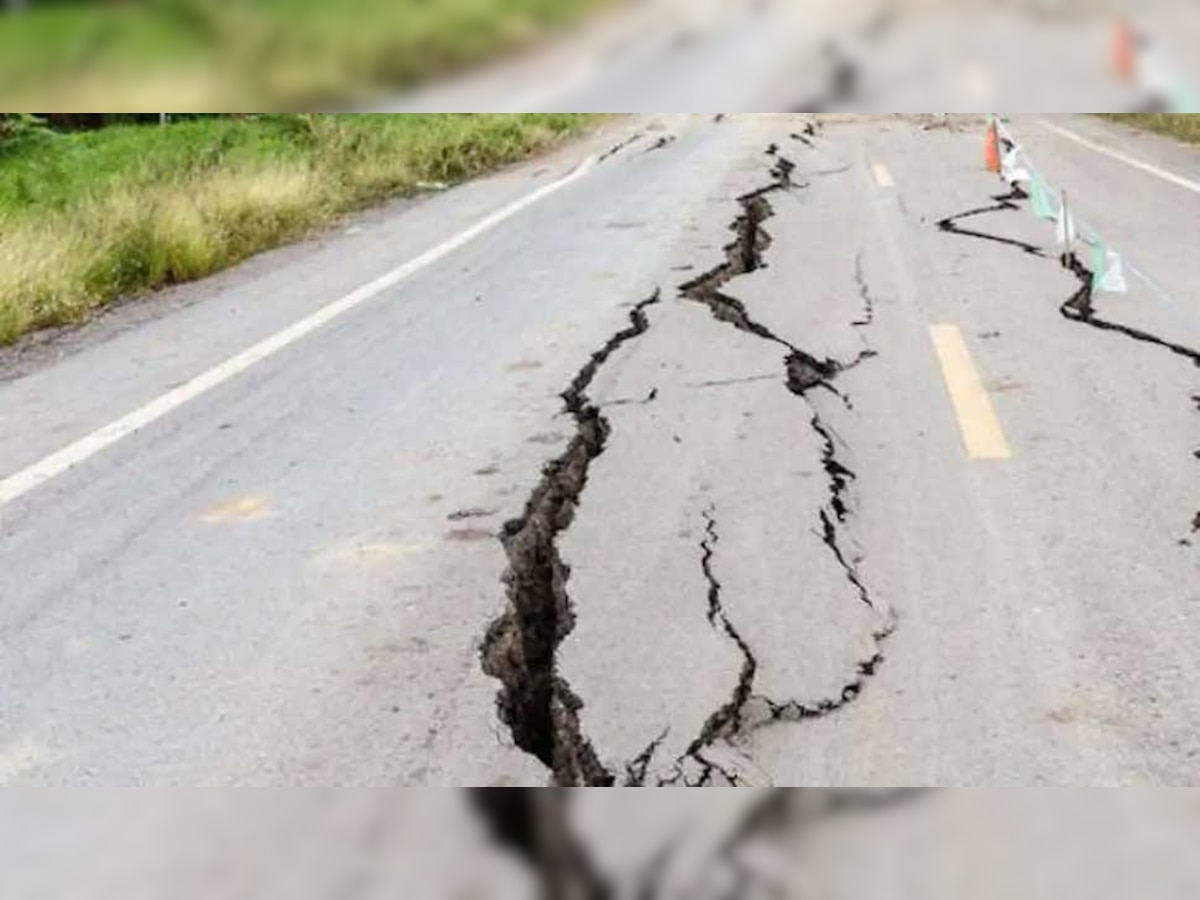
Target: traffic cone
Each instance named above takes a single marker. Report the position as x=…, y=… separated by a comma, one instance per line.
x=991, y=148
x=1124, y=50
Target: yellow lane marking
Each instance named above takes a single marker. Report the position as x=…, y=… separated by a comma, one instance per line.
x=241, y=509
x=982, y=434
x=882, y=176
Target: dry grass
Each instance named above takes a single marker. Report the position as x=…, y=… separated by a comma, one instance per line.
x=58, y=270
x=1184, y=126
x=220, y=193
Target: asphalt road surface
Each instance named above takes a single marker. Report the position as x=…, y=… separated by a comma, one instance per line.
x=713, y=457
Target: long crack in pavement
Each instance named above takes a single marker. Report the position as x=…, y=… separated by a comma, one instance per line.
x=803, y=372
x=520, y=647
x=728, y=718
x=1079, y=307
x=1003, y=203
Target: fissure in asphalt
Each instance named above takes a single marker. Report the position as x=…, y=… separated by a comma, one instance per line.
x=1003, y=202
x=521, y=646
x=802, y=373
x=1079, y=307
x=728, y=718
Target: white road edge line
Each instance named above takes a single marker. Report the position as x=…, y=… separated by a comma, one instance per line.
x=39, y=473
x=1174, y=179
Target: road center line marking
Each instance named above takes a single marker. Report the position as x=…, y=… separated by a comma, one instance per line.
x=1174, y=179
x=39, y=473
x=882, y=176
x=982, y=434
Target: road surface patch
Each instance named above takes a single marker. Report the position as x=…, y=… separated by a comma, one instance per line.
x=469, y=535
x=240, y=509
x=981, y=431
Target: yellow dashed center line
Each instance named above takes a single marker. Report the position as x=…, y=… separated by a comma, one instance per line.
x=982, y=434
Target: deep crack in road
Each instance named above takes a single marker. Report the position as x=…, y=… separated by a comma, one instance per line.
x=520, y=647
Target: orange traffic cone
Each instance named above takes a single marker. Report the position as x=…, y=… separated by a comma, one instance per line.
x=1124, y=50
x=991, y=148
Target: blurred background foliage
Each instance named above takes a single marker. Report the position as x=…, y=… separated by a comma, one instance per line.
x=248, y=55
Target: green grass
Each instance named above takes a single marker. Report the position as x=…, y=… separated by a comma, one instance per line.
x=243, y=55
x=85, y=218
x=1184, y=126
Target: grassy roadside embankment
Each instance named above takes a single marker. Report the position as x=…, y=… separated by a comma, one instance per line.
x=246, y=55
x=86, y=218
x=1183, y=126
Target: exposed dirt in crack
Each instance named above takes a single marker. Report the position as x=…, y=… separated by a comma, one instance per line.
x=620, y=147
x=1079, y=307
x=520, y=647
x=802, y=373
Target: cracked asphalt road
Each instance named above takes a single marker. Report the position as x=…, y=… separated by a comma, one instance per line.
x=657, y=481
